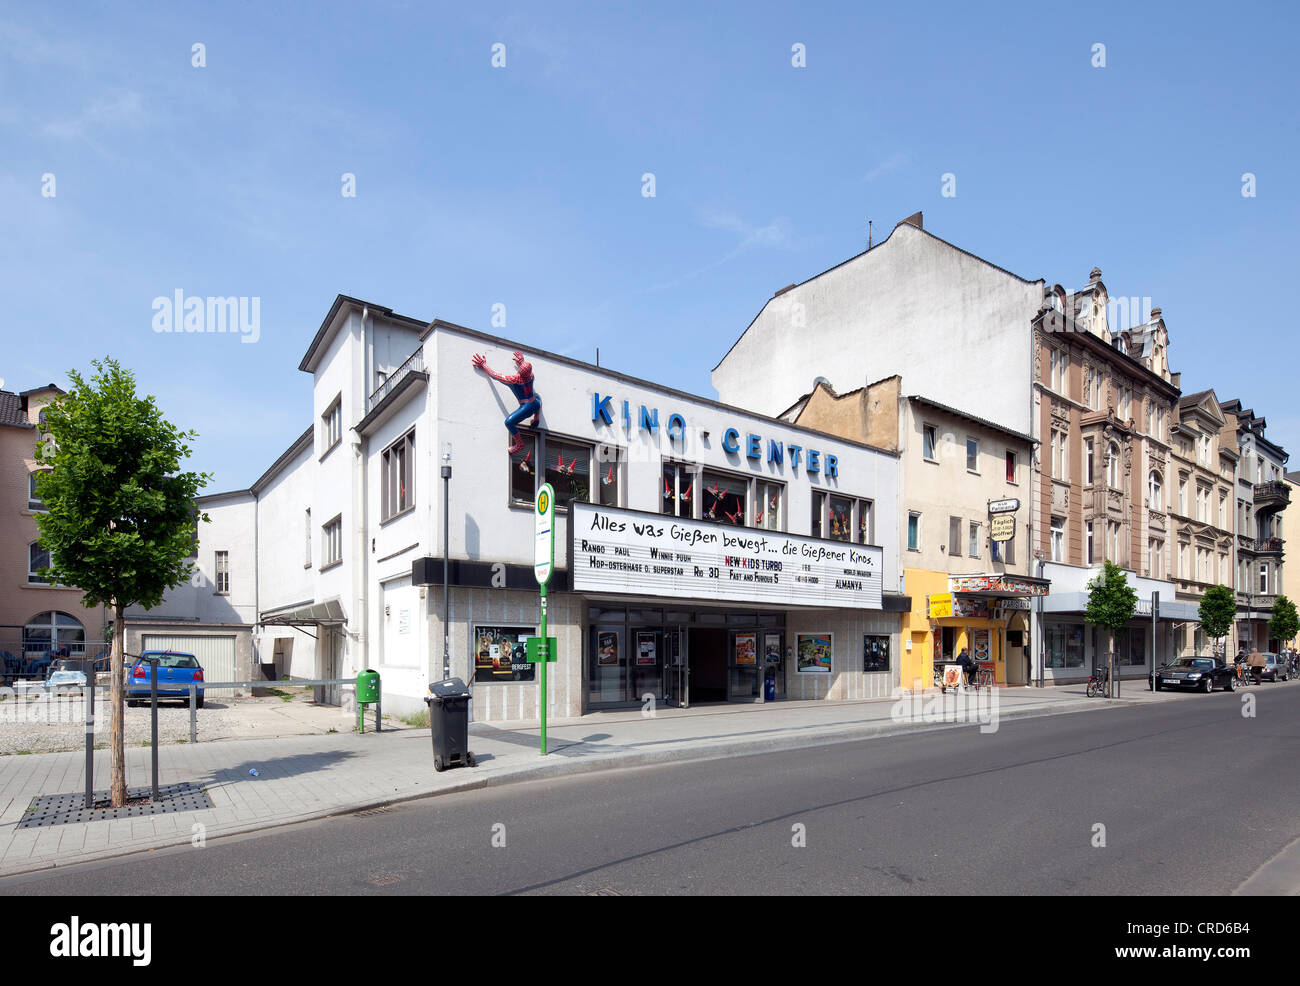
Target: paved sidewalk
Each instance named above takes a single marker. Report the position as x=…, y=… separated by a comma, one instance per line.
x=305, y=777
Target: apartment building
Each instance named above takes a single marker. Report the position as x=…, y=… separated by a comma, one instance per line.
x=1262, y=498
x=1198, y=494
x=37, y=617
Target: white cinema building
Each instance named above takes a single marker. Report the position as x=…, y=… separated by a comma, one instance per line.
x=703, y=553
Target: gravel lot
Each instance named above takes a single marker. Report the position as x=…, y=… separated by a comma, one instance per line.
x=45, y=725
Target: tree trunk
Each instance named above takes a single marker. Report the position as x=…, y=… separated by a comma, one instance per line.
x=115, y=739
x=1110, y=670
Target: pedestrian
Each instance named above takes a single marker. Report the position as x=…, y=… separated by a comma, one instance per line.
x=966, y=665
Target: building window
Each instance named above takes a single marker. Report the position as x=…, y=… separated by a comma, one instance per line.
x=913, y=531
x=1263, y=577
x=866, y=526
x=724, y=498
x=1182, y=495
x=607, y=475
x=37, y=558
x=398, y=486
x=975, y=548
x=1058, y=539
x=972, y=455
x=1011, y=467
x=568, y=470
x=677, y=498
x=841, y=518
x=1155, y=558
x=332, y=542
x=817, y=523
x=331, y=431
x=1112, y=466
x=1059, y=456
x=49, y=633
x=1088, y=460
x=33, y=501
x=1089, y=557
x=307, y=538
x=523, y=471
x=1112, y=530
x=954, y=536
x=767, y=505
x=222, y=572
x=1155, y=489
x=930, y=443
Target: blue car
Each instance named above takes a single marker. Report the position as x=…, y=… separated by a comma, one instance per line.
x=175, y=672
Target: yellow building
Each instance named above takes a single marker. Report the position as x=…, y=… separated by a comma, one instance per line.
x=987, y=615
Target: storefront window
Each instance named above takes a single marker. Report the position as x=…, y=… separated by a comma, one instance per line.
x=816, y=526
x=865, y=528
x=1065, y=645
x=724, y=498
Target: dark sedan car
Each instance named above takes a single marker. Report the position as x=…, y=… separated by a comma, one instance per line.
x=1201, y=673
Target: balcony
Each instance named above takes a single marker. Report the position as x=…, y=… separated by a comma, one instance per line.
x=1272, y=496
x=413, y=364
x=1268, y=546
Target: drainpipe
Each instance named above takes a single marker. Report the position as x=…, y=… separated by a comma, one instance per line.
x=361, y=550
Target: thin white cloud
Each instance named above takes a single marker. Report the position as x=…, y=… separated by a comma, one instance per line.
x=891, y=163
x=119, y=109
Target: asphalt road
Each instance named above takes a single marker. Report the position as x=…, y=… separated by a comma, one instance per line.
x=1193, y=797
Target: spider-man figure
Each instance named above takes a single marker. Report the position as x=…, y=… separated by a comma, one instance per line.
x=521, y=385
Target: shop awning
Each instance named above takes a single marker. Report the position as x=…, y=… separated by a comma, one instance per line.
x=1171, y=609
x=323, y=614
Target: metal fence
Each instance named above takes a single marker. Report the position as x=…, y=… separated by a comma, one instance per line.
x=30, y=657
x=292, y=683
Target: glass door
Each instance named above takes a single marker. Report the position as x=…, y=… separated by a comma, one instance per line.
x=744, y=679
x=675, y=670
x=607, y=667
x=647, y=663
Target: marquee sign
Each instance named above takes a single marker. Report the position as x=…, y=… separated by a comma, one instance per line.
x=626, y=551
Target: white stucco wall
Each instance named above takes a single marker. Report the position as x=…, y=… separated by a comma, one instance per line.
x=890, y=310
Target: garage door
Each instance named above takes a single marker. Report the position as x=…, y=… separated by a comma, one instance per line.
x=216, y=654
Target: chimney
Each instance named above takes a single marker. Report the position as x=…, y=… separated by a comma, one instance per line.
x=914, y=220
x=1155, y=315
x=1094, y=276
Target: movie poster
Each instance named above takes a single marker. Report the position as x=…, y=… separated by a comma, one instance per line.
x=608, y=649
x=813, y=652
x=747, y=648
x=500, y=652
x=645, y=650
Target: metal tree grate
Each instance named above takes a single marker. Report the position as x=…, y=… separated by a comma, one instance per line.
x=65, y=809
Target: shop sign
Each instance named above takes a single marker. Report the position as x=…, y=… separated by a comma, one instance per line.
x=996, y=583
x=944, y=605
x=1008, y=506
x=1002, y=527
x=626, y=551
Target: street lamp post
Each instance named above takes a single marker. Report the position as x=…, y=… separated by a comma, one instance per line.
x=446, y=555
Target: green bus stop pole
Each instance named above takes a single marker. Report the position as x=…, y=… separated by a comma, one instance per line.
x=543, y=662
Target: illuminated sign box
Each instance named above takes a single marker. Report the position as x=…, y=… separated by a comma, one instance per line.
x=626, y=551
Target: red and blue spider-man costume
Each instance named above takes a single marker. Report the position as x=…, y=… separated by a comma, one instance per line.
x=521, y=385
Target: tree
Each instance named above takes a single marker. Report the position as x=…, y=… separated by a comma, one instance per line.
x=1285, y=621
x=1218, y=611
x=120, y=520
x=1111, y=604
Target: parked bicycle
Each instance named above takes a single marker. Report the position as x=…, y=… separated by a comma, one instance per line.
x=1097, y=683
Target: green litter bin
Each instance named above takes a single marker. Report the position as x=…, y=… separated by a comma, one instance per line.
x=367, y=694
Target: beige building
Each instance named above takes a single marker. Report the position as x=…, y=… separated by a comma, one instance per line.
x=1197, y=494
x=1291, y=532
x=1104, y=411
x=36, y=617
x=963, y=515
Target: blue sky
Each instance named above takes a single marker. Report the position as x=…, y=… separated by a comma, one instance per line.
x=521, y=185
